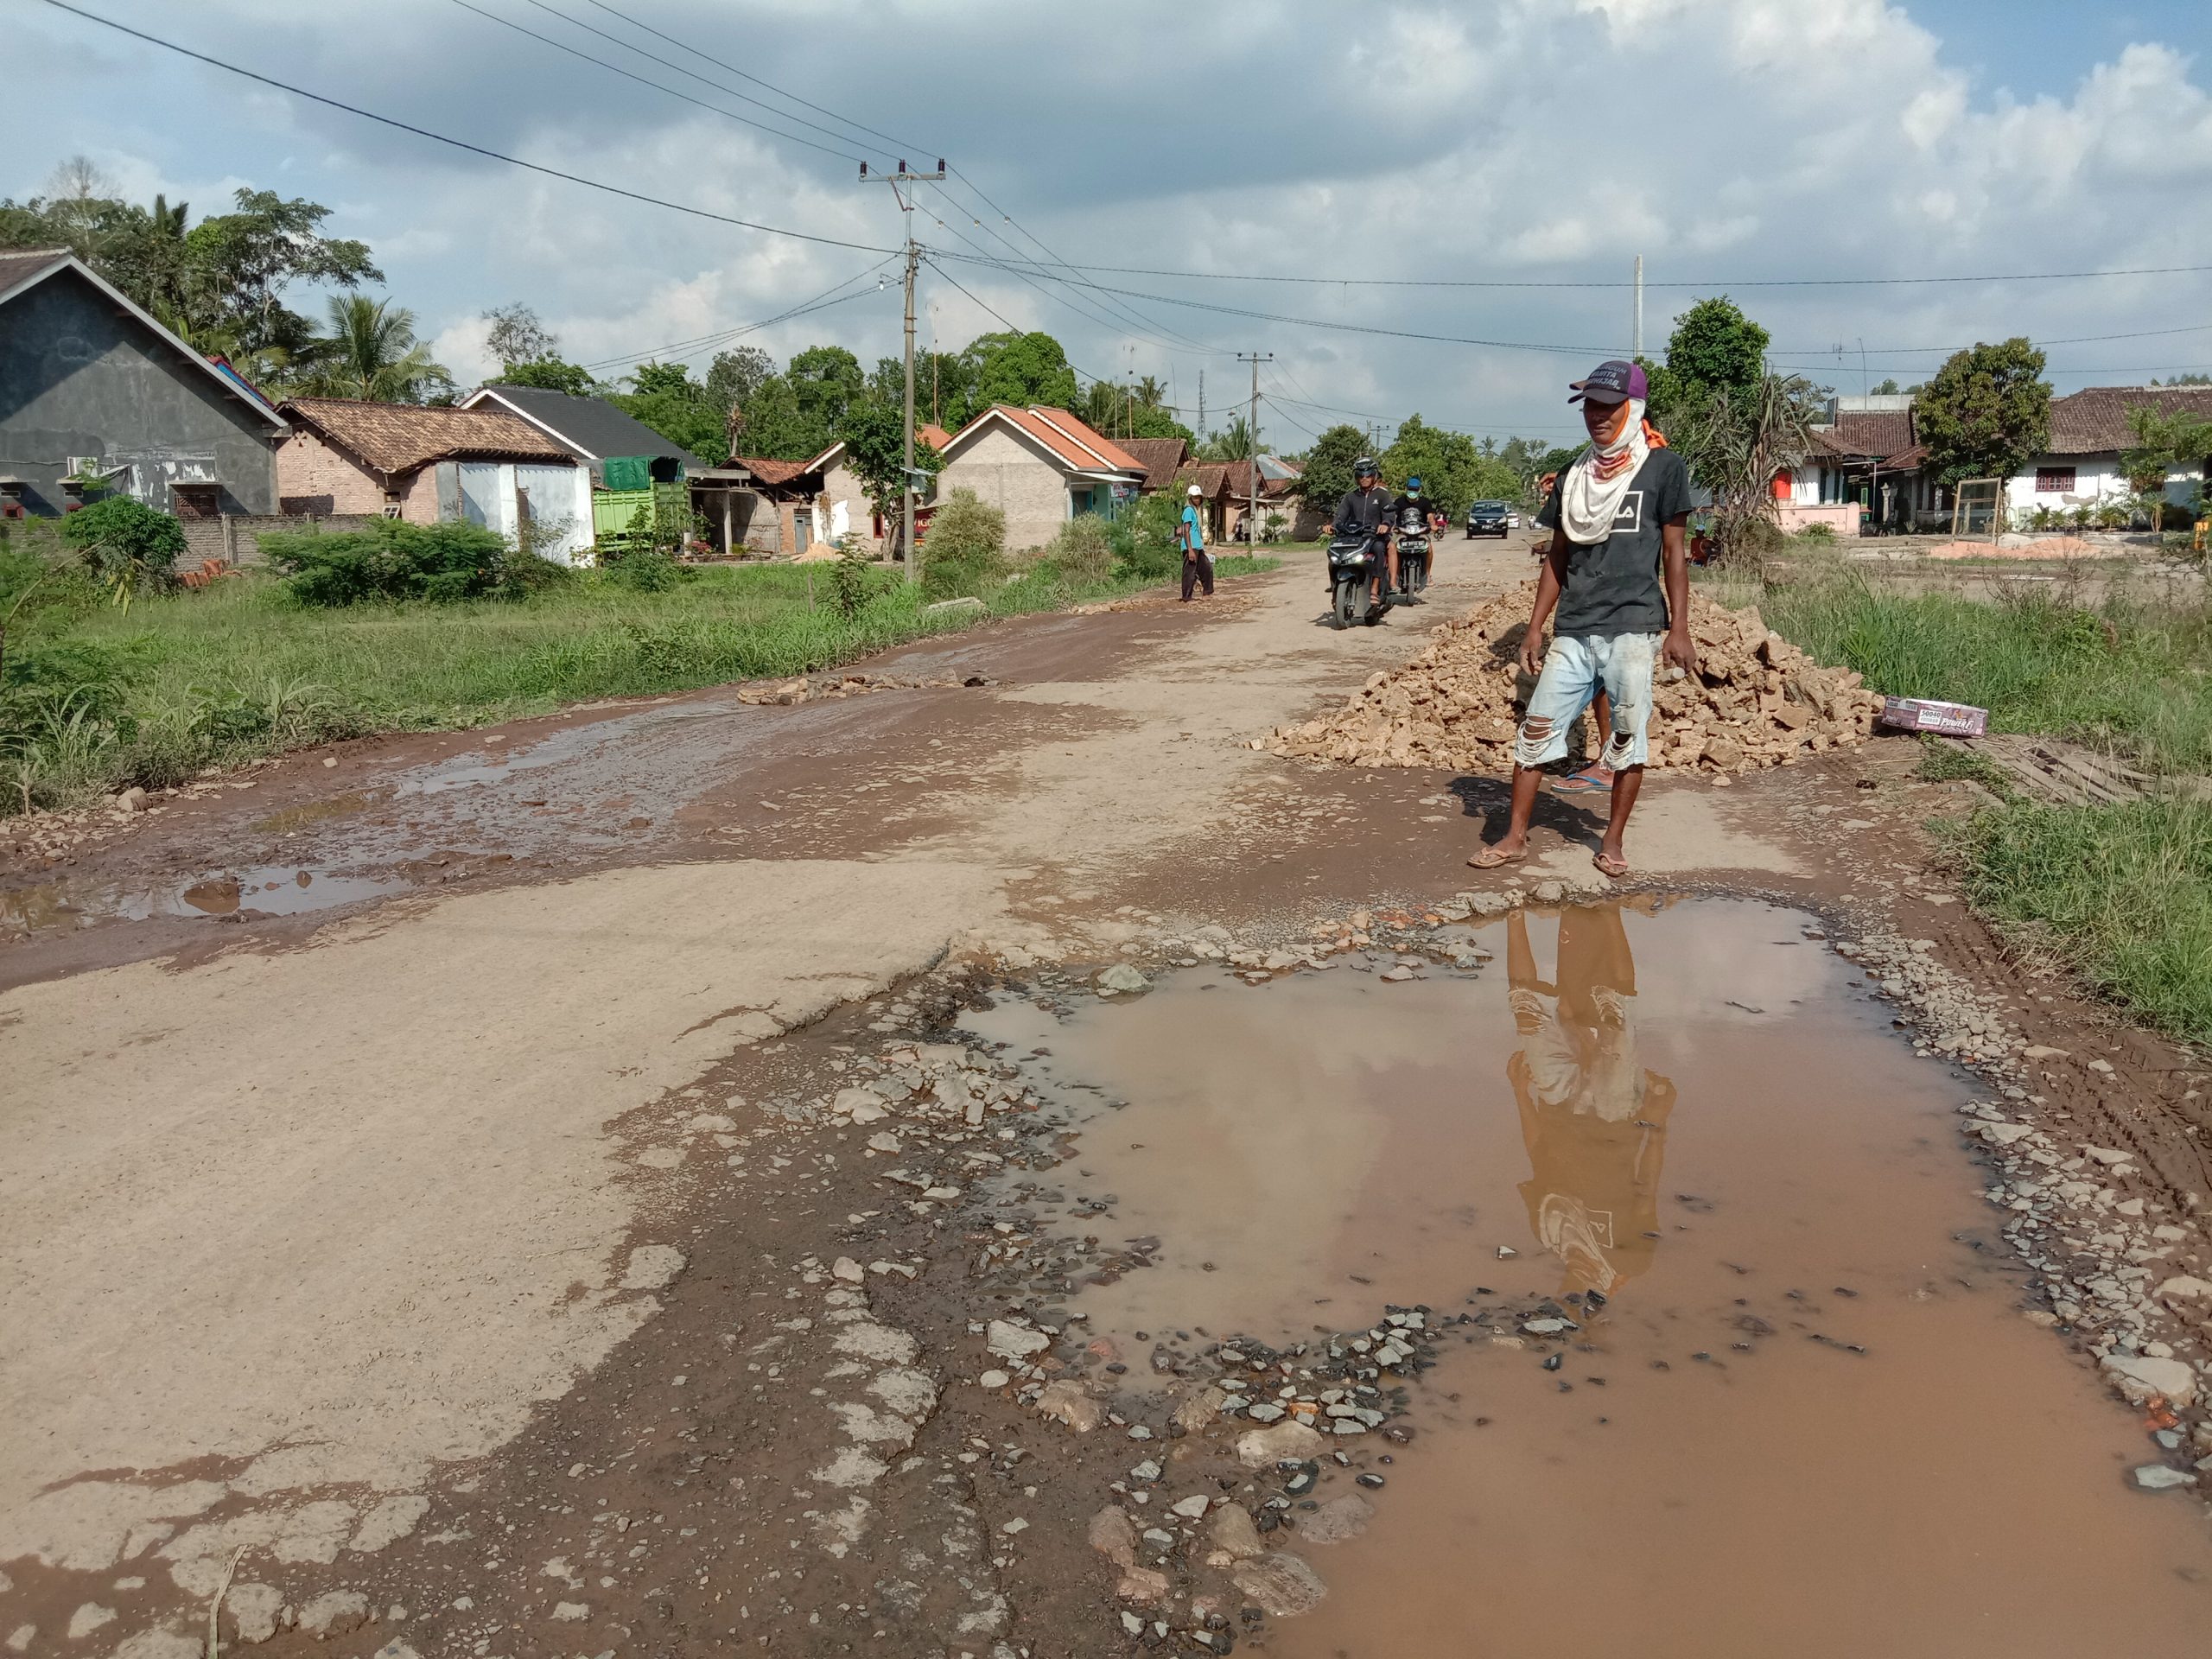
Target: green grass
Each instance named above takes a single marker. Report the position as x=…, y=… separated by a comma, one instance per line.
x=2124, y=893
x=2132, y=674
x=183, y=681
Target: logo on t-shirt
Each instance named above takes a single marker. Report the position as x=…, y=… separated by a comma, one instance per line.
x=1630, y=516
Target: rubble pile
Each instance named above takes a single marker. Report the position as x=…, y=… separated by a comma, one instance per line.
x=1757, y=702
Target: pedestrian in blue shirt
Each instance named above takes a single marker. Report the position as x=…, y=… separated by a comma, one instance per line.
x=1191, y=536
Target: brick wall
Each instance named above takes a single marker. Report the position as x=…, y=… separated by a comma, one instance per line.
x=306, y=465
x=1007, y=474
x=236, y=536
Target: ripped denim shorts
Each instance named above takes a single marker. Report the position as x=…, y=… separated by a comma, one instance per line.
x=1573, y=670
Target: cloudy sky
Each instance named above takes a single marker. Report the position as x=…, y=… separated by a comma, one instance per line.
x=1751, y=147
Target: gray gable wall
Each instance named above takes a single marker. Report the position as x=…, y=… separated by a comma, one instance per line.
x=80, y=376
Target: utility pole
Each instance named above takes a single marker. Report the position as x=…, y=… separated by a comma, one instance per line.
x=1636, y=348
x=898, y=181
x=1202, y=406
x=1252, y=478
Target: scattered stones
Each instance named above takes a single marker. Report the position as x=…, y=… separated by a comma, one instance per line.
x=1258, y=1447
x=993, y=1380
x=1336, y=1520
x=2158, y=1478
x=1114, y=1536
x=254, y=1609
x=1067, y=1400
x=1120, y=977
x=334, y=1612
x=1278, y=1585
x=1231, y=1530
x=2140, y=1375
x=1757, y=702
x=1011, y=1341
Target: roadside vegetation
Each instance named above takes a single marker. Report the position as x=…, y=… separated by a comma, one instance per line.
x=2121, y=894
x=343, y=636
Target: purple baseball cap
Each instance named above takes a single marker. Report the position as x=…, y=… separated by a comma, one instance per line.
x=1612, y=382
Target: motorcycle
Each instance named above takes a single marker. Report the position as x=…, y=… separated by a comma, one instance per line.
x=1413, y=559
x=1352, y=579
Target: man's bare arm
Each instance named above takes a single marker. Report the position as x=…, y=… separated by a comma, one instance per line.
x=1682, y=650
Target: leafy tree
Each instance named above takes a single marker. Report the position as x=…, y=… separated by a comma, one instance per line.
x=549, y=374
x=2165, y=442
x=1887, y=388
x=1453, y=471
x=1737, y=441
x=735, y=375
x=517, y=336
x=1714, y=348
x=371, y=352
x=1021, y=369
x=242, y=263
x=827, y=380
x=1232, y=442
x=874, y=436
x=1328, y=476
x=666, y=398
x=775, y=427
x=1986, y=412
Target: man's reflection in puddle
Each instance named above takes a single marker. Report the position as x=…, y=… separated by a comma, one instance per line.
x=1594, y=1119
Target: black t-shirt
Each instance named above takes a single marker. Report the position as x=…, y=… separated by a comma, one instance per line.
x=1410, y=512
x=1613, y=586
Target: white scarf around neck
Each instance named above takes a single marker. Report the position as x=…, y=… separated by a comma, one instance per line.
x=1587, y=504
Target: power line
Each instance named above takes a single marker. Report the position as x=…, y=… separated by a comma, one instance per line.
x=616, y=69
x=462, y=145
x=1547, y=283
x=704, y=80
x=699, y=343
x=792, y=98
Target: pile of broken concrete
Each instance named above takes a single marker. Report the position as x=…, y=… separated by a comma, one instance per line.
x=1757, y=702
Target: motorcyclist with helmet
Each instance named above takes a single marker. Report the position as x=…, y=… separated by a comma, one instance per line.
x=1413, y=514
x=1366, y=511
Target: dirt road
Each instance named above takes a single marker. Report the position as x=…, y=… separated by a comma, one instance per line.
x=600, y=1217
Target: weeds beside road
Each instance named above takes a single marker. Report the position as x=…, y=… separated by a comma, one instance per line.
x=2122, y=892
x=102, y=699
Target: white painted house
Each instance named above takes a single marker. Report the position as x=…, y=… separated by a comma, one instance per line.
x=2088, y=432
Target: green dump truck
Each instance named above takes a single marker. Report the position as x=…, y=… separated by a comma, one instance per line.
x=646, y=499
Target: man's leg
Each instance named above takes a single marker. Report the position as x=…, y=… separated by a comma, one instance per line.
x=1562, y=690
x=1627, y=664
x=1189, y=574
x=1596, y=777
x=1205, y=572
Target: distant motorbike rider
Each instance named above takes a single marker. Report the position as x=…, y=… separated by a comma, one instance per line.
x=1413, y=514
x=1366, y=512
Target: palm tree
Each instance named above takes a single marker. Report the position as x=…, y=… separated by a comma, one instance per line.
x=1736, y=442
x=371, y=352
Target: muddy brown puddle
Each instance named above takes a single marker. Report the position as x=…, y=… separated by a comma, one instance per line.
x=1807, y=1417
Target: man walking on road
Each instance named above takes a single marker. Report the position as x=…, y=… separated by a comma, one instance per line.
x=1191, y=536
x=1615, y=515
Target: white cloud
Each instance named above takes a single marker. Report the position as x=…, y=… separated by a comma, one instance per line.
x=1497, y=140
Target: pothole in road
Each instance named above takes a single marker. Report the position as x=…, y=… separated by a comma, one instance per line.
x=274, y=890
x=1719, y=1354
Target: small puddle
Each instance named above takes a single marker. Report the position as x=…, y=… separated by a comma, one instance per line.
x=276, y=890
x=1806, y=1415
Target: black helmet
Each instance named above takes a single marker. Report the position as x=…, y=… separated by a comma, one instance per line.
x=1363, y=466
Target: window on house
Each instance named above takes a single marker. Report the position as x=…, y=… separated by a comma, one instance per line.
x=391, y=503
x=2054, y=480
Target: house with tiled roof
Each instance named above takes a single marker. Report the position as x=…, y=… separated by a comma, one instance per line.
x=2080, y=466
x=484, y=464
x=1040, y=467
x=850, y=514
x=93, y=388
x=1866, y=458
